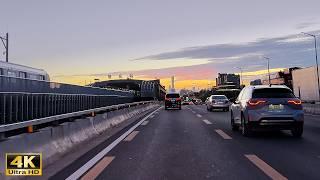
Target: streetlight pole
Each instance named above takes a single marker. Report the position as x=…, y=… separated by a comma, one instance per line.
x=268, y=59
x=5, y=42
x=315, y=48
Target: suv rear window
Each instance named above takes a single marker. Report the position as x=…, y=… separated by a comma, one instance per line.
x=172, y=96
x=272, y=93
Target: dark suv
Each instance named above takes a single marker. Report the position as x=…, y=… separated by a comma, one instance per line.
x=173, y=100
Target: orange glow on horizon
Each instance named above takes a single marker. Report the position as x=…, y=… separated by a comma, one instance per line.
x=179, y=84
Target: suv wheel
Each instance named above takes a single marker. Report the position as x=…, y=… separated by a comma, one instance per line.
x=245, y=129
x=297, y=131
x=233, y=125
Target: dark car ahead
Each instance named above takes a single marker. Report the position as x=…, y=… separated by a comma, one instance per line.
x=173, y=100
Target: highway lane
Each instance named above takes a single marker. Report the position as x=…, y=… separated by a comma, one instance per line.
x=196, y=144
x=295, y=158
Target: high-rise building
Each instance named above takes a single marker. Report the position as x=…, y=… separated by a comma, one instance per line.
x=172, y=82
x=224, y=79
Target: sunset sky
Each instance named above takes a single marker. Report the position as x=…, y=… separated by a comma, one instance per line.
x=77, y=41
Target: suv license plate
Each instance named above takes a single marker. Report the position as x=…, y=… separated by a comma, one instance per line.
x=276, y=107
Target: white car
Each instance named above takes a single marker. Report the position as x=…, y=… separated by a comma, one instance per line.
x=218, y=102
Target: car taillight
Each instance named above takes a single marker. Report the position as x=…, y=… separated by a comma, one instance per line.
x=295, y=101
x=168, y=99
x=178, y=99
x=256, y=102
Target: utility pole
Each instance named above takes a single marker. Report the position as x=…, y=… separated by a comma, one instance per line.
x=5, y=42
x=315, y=48
x=268, y=59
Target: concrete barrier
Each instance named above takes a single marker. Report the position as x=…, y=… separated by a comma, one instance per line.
x=54, y=142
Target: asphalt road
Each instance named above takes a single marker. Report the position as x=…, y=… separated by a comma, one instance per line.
x=196, y=144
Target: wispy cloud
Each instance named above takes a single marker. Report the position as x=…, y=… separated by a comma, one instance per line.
x=306, y=25
x=284, y=51
x=287, y=51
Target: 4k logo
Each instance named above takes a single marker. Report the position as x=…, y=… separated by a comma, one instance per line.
x=23, y=164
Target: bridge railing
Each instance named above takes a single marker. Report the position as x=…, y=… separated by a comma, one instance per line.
x=19, y=107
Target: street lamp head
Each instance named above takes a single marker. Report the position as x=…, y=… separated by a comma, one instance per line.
x=308, y=34
x=266, y=57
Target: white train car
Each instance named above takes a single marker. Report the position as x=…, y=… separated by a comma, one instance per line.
x=20, y=71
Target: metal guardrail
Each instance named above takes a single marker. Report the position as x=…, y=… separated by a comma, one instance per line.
x=19, y=107
x=19, y=125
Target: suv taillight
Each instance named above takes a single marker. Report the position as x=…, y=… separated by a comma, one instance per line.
x=296, y=103
x=256, y=102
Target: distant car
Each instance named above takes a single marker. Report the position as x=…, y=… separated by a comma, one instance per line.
x=173, y=100
x=266, y=107
x=185, y=102
x=198, y=102
x=218, y=102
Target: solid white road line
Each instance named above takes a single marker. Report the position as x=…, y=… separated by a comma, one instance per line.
x=206, y=121
x=199, y=115
x=98, y=168
x=100, y=155
x=145, y=123
x=263, y=166
x=223, y=134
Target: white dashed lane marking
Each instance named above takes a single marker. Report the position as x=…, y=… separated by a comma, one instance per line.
x=198, y=115
x=223, y=134
x=206, y=121
x=266, y=168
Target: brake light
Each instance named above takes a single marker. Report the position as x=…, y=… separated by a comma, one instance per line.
x=168, y=99
x=295, y=102
x=256, y=102
x=178, y=99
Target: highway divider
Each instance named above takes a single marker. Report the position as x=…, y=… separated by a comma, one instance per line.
x=55, y=141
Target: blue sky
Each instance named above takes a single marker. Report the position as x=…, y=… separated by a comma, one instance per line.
x=98, y=37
